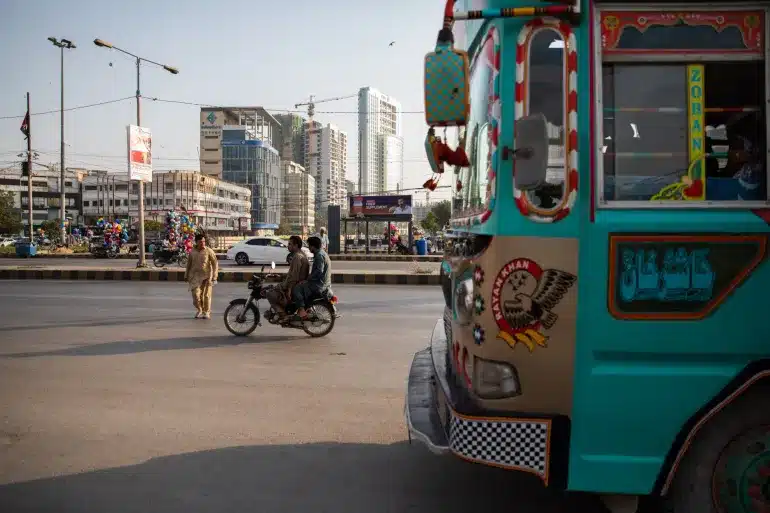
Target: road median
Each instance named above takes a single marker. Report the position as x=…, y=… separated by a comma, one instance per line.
x=177, y=275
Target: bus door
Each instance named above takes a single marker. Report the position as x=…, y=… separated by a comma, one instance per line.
x=672, y=280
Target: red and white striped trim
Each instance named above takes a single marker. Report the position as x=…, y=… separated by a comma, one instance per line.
x=522, y=108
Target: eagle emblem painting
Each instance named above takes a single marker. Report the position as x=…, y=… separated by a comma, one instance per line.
x=523, y=297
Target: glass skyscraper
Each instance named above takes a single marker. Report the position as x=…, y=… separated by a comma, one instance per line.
x=256, y=164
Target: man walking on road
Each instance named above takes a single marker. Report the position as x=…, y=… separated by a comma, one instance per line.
x=201, y=275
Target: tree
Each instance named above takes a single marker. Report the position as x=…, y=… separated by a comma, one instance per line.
x=52, y=229
x=9, y=216
x=443, y=212
x=153, y=226
x=430, y=223
x=284, y=228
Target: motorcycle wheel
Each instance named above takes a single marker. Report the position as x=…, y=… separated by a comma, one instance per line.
x=322, y=322
x=233, y=311
x=111, y=253
x=182, y=260
x=157, y=260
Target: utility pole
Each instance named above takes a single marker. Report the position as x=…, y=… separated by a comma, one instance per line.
x=29, y=172
x=62, y=44
x=170, y=69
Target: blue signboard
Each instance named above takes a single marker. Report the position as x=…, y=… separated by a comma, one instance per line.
x=245, y=142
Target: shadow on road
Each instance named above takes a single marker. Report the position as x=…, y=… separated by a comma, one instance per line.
x=121, y=347
x=312, y=478
x=89, y=323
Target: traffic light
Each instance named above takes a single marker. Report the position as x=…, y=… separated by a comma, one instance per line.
x=24, y=168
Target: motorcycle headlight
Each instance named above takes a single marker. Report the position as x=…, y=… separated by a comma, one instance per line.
x=495, y=380
x=464, y=302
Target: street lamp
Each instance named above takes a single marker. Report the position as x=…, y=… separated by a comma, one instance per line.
x=170, y=69
x=62, y=44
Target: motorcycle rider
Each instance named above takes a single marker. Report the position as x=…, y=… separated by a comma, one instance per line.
x=299, y=269
x=318, y=282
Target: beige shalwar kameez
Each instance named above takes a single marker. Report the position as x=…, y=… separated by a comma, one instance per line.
x=202, y=271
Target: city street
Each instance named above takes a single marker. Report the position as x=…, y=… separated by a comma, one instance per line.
x=113, y=398
x=225, y=265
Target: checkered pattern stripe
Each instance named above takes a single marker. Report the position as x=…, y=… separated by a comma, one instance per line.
x=445, y=91
x=515, y=444
x=522, y=109
x=494, y=114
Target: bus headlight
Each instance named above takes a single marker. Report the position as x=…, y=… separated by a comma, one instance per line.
x=464, y=302
x=495, y=380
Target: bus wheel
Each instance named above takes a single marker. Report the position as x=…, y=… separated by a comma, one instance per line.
x=727, y=467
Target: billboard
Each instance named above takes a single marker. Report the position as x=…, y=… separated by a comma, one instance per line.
x=139, y=153
x=381, y=206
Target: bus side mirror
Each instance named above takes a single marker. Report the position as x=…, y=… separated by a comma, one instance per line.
x=447, y=102
x=531, y=152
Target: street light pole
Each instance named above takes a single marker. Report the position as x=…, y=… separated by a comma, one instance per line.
x=62, y=44
x=172, y=70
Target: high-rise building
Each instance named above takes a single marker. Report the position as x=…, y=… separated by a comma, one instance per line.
x=326, y=156
x=393, y=159
x=298, y=198
x=255, y=122
x=379, y=115
x=292, y=138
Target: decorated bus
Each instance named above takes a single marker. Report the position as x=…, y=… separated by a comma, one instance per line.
x=606, y=290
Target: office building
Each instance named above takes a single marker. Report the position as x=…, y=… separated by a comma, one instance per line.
x=256, y=164
x=292, y=147
x=215, y=205
x=46, y=195
x=379, y=115
x=326, y=156
x=255, y=122
x=298, y=199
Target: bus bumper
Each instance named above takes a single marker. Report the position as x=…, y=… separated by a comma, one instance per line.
x=442, y=416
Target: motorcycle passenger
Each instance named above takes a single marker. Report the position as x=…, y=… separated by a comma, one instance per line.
x=299, y=268
x=319, y=281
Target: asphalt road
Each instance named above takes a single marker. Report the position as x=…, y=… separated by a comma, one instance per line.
x=80, y=263
x=114, y=399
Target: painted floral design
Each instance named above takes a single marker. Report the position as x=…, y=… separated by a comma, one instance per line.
x=478, y=334
x=478, y=304
x=478, y=276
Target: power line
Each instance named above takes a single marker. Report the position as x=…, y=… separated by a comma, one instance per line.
x=284, y=111
x=71, y=108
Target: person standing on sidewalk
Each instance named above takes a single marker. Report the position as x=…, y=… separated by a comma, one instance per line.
x=201, y=275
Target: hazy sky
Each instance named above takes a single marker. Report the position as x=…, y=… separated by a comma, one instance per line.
x=239, y=52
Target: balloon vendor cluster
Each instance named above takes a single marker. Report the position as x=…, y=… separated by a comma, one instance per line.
x=180, y=230
x=115, y=233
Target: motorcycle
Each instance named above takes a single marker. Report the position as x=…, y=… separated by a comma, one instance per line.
x=161, y=257
x=242, y=315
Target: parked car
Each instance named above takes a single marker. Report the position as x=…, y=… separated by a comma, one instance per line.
x=262, y=250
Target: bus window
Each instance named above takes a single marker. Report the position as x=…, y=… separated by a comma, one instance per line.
x=685, y=125
x=475, y=193
x=545, y=93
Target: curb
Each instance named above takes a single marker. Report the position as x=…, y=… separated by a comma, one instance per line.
x=224, y=277
x=221, y=256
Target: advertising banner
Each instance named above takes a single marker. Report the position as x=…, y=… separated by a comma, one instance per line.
x=139, y=153
x=381, y=206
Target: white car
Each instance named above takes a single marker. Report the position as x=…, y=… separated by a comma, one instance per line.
x=262, y=250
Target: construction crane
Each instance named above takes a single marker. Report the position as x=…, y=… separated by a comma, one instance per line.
x=312, y=103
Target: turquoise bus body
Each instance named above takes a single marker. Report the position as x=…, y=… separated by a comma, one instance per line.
x=636, y=384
